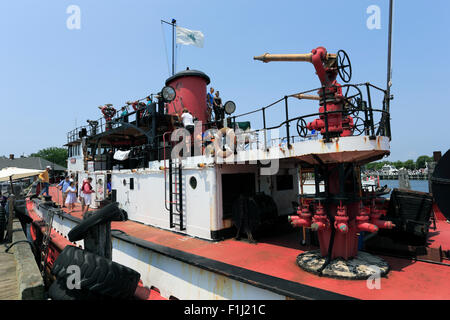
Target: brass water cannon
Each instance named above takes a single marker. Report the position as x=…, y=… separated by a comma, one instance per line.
x=302, y=96
x=327, y=65
x=306, y=57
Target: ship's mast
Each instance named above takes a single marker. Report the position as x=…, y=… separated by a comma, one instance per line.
x=389, y=71
x=173, y=24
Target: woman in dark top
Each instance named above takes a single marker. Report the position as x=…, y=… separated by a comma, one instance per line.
x=218, y=108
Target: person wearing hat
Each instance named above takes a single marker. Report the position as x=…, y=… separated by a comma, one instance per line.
x=45, y=180
x=63, y=185
x=86, y=192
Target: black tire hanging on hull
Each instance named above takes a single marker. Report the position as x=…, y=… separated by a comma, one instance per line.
x=110, y=212
x=59, y=291
x=97, y=274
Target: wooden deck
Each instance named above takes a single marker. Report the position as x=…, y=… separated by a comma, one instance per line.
x=9, y=288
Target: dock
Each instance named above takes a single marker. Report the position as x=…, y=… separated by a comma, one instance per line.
x=20, y=278
x=9, y=286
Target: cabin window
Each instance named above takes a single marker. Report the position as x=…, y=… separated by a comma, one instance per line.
x=193, y=182
x=131, y=183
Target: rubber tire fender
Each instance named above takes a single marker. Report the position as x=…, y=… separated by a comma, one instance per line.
x=97, y=274
x=107, y=213
x=59, y=291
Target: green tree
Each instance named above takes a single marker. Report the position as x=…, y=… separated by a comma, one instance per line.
x=376, y=165
x=422, y=160
x=409, y=164
x=53, y=154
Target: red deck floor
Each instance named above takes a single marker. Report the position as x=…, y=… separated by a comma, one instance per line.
x=276, y=256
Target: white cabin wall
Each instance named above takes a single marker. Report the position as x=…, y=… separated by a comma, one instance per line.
x=284, y=198
x=77, y=166
x=145, y=203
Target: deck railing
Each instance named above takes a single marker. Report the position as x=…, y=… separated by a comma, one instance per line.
x=355, y=105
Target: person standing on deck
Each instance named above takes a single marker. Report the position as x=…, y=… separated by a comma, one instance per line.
x=218, y=109
x=124, y=113
x=108, y=189
x=45, y=180
x=149, y=102
x=188, y=121
x=86, y=192
x=70, y=196
x=3, y=199
x=63, y=185
x=210, y=102
x=139, y=108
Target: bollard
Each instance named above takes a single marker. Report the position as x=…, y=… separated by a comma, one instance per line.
x=98, y=239
x=431, y=166
x=10, y=218
x=403, y=179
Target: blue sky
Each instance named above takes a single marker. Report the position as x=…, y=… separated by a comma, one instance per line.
x=52, y=78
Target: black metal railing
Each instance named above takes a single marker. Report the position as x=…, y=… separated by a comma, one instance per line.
x=354, y=104
x=137, y=118
x=360, y=108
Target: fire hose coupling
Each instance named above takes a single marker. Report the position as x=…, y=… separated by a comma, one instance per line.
x=302, y=219
x=375, y=219
x=369, y=227
x=341, y=219
x=320, y=220
x=362, y=221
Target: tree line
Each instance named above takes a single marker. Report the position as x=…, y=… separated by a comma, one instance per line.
x=53, y=154
x=408, y=164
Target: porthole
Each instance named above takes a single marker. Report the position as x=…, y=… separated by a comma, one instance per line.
x=193, y=182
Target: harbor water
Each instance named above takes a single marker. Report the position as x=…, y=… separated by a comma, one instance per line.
x=416, y=185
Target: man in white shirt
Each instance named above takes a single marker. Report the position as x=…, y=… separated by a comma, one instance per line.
x=188, y=121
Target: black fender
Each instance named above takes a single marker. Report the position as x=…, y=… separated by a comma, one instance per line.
x=110, y=212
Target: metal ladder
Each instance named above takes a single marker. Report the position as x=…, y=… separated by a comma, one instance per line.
x=46, y=239
x=175, y=193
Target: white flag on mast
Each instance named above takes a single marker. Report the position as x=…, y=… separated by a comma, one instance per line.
x=190, y=37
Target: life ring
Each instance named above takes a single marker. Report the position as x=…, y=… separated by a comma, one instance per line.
x=218, y=148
